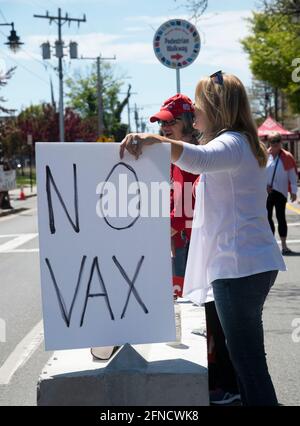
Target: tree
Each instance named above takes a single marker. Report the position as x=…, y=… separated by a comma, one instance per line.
x=260, y=97
x=272, y=47
x=196, y=8
x=82, y=97
x=285, y=7
x=41, y=121
x=3, y=82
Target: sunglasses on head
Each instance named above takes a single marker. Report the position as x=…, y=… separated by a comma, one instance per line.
x=217, y=78
x=168, y=123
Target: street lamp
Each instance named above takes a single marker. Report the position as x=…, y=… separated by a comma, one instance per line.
x=13, y=39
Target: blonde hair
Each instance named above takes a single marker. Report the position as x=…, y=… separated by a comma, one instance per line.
x=226, y=107
x=274, y=137
x=188, y=129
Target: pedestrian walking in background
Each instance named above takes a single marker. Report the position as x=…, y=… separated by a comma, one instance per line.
x=282, y=179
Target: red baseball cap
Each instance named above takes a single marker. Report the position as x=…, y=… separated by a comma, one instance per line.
x=173, y=108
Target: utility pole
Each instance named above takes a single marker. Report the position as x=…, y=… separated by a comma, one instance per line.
x=128, y=107
x=276, y=103
x=143, y=124
x=60, y=21
x=136, y=117
x=99, y=91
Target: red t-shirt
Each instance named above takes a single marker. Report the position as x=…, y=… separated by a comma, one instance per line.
x=182, y=203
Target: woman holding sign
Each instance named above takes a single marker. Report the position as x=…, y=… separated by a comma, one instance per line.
x=175, y=118
x=232, y=249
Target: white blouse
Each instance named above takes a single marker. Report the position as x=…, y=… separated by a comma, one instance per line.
x=282, y=177
x=231, y=236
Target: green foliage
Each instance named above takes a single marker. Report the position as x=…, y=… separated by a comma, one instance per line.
x=25, y=180
x=286, y=7
x=82, y=97
x=41, y=122
x=272, y=47
x=3, y=82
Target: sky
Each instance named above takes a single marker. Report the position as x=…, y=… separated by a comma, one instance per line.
x=124, y=28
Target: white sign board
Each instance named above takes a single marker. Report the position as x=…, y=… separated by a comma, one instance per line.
x=105, y=268
x=177, y=43
x=7, y=179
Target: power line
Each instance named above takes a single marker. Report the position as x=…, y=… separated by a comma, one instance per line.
x=23, y=66
x=2, y=14
x=45, y=65
x=2, y=33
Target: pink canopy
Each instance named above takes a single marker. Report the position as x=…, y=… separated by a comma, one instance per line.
x=270, y=125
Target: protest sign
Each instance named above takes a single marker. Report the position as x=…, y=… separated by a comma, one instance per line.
x=104, y=245
x=7, y=179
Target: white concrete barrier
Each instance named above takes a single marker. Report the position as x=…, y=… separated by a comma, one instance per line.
x=139, y=375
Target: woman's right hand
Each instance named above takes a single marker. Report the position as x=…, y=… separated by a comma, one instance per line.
x=134, y=143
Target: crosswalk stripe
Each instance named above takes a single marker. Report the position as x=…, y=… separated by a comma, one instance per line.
x=21, y=353
x=16, y=242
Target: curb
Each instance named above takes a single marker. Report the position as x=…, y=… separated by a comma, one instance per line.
x=4, y=213
x=26, y=196
x=12, y=211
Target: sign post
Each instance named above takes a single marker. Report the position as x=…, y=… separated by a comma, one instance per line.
x=178, y=80
x=30, y=143
x=176, y=45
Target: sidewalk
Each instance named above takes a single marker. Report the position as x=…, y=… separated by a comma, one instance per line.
x=157, y=374
x=16, y=202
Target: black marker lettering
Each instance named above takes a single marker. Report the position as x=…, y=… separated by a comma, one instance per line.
x=132, y=289
x=130, y=225
x=104, y=294
x=50, y=181
x=62, y=305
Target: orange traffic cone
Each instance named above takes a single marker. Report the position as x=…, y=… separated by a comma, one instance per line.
x=22, y=194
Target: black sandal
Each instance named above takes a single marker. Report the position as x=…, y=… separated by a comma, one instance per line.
x=287, y=252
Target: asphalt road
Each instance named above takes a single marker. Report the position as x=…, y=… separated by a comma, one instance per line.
x=20, y=305
x=281, y=309
x=20, y=313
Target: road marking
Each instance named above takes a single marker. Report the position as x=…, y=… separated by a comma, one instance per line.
x=292, y=208
x=16, y=242
x=21, y=353
x=289, y=223
x=36, y=250
x=290, y=242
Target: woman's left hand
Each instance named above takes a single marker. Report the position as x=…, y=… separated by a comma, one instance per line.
x=134, y=143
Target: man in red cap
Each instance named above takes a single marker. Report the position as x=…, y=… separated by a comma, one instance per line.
x=176, y=118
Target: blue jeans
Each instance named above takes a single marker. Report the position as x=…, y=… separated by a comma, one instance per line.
x=179, y=261
x=239, y=303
